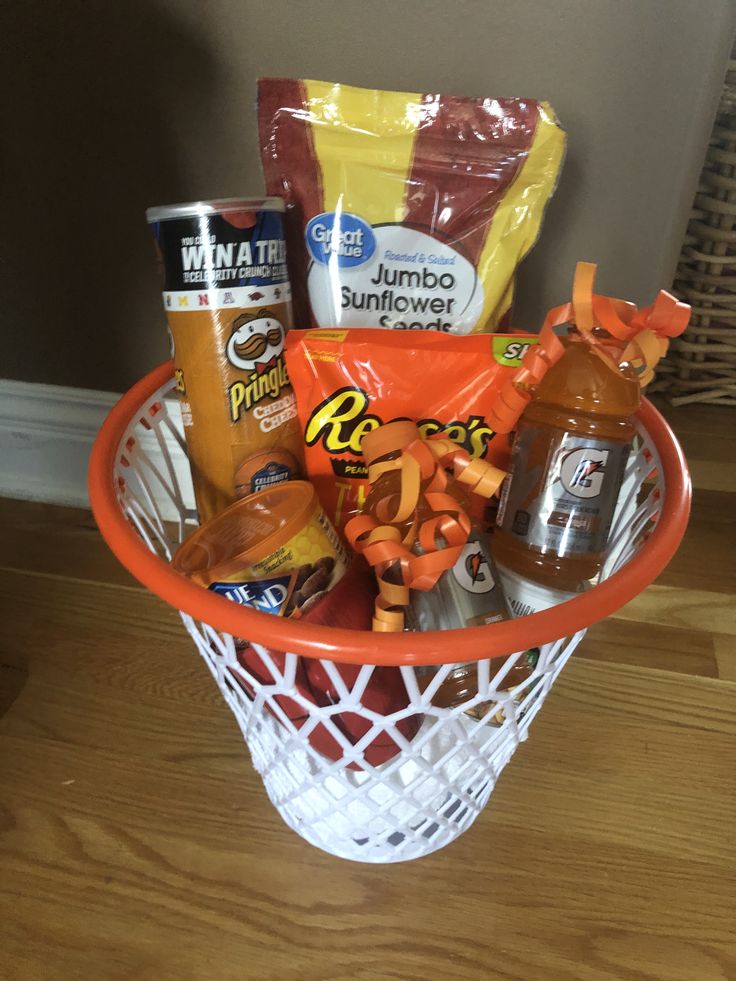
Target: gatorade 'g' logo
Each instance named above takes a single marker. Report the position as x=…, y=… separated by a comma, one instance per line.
x=471, y=570
x=583, y=470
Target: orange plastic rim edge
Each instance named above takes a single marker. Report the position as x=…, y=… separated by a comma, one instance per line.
x=363, y=647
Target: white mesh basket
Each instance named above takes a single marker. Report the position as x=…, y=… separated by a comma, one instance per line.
x=319, y=771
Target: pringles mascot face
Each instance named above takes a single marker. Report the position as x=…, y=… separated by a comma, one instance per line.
x=256, y=341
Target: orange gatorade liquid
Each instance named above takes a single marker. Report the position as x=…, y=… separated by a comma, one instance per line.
x=567, y=467
x=468, y=594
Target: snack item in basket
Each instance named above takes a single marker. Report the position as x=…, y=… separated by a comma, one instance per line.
x=573, y=440
x=227, y=300
x=274, y=551
x=350, y=382
x=348, y=605
x=406, y=210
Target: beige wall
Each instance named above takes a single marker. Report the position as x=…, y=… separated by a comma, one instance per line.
x=116, y=106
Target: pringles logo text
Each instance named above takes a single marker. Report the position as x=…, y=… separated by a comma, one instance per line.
x=243, y=395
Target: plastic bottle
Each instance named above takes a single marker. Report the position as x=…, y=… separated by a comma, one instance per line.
x=567, y=466
x=468, y=594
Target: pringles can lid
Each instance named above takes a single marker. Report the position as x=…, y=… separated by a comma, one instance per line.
x=218, y=206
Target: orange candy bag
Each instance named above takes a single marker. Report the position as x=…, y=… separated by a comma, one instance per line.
x=350, y=382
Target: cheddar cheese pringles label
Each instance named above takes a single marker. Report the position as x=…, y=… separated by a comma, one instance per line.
x=228, y=306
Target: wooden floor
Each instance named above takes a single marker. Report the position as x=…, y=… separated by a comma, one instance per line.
x=137, y=843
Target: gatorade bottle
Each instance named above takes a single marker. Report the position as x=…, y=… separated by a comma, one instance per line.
x=468, y=594
x=567, y=466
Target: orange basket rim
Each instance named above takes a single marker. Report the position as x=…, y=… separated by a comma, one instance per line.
x=365, y=647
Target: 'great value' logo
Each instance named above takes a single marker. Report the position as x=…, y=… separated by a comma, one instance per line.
x=341, y=238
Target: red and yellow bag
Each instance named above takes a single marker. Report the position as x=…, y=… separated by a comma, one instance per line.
x=405, y=210
x=349, y=382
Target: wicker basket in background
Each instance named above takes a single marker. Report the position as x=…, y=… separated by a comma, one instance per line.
x=701, y=365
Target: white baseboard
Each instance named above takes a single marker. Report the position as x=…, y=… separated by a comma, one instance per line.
x=46, y=436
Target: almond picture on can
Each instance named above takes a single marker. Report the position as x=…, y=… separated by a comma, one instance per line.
x=228, y=306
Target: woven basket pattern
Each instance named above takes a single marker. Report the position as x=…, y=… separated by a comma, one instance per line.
x=701, y=365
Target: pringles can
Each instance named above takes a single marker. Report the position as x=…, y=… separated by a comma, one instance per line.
x=228, y=305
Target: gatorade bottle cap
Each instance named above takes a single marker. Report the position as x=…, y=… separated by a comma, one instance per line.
x=390, y=438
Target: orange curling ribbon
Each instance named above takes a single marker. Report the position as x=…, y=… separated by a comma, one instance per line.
x=639, y=337
x=582, y=296
x=388, y=547
x=643, y=335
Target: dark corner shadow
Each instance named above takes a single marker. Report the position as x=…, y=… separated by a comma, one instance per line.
x=89, y=141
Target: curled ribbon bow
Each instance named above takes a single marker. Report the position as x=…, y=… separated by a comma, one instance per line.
x=639, y=337
x=387, y=540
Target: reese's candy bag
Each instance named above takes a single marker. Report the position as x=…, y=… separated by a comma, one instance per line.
x=349, y=382
x=405, y=210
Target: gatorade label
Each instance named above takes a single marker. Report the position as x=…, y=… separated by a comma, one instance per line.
x=467, y=595
x=560, y=495
x=526, y=597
